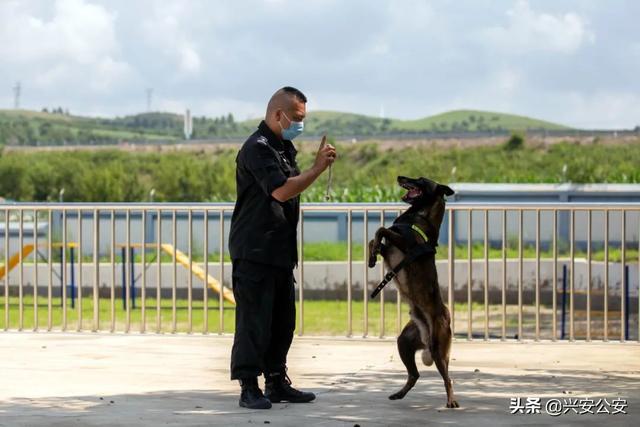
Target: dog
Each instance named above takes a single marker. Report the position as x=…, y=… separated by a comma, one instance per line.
x=429, y=329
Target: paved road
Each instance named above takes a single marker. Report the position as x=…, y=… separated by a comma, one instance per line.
x=60, y=379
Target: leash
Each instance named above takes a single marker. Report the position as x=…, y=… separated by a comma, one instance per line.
x=327, y=194
x=387, y=278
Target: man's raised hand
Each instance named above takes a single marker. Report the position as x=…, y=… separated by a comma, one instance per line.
x=326, y=154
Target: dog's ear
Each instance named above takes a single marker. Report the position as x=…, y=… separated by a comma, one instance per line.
x=430, y=186
x=446, y=190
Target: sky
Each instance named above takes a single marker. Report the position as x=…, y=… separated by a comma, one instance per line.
x=575, y=62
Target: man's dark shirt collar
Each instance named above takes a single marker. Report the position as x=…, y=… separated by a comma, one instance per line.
x=273, y=140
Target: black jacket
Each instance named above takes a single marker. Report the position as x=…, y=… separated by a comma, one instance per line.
x=263, y=229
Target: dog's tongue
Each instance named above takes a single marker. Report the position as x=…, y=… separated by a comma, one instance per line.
x=411, y=194
x=414, y=192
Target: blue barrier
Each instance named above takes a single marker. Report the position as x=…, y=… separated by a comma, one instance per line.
x=625, y=287
x=124, y=278
x=71, y=287
x=564, y=300
x=132, y=294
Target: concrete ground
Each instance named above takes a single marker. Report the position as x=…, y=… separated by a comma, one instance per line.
x=57, y=379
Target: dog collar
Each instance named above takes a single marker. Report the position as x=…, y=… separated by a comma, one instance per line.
x=419, y=231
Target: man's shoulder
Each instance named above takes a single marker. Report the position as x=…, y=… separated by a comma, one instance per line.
x=255, y=149
x=260, y=140
x=255, y=139
x=256, y=143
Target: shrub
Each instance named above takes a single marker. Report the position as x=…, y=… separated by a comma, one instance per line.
x=515, y=142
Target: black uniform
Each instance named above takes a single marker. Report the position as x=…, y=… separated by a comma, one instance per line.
x=263, y=248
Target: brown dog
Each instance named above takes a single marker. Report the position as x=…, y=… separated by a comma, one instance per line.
x=429, y=329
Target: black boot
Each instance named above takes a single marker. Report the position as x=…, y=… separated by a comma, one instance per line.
x=278, y=389
x=251, y=396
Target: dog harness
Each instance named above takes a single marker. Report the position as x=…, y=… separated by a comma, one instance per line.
x=415, y=252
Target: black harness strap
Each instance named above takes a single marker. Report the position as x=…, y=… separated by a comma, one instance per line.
x=414, y=253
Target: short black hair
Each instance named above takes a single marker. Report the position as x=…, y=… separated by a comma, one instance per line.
x=295, y=92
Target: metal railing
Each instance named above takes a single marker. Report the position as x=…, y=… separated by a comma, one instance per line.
x=553, y=210
x=68, y=258
x=71, y=244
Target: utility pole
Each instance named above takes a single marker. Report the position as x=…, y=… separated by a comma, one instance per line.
x=16, y=96
x=149, y=95
x=188, y=124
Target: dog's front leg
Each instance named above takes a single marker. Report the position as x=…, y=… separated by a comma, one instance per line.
x=374, y=248
x=391, y=238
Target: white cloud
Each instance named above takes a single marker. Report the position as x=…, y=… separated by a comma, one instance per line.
x=167, y=32
x=413, y=14
x=527, y=30
x=602, y=109
x=77, y=44
x=189, y=59
x=508, y=80
x=415, y=57
x=77, y=31
x=107, y=72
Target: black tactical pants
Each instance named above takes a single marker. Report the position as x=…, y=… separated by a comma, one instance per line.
x=265, y=318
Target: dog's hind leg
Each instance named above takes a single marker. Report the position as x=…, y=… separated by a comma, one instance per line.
x=424, y=327
x=409, y=342
x=441, y=348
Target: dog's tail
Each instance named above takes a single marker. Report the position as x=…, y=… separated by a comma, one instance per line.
x=427, y=358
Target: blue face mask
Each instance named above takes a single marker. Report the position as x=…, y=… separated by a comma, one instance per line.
x=294, y=129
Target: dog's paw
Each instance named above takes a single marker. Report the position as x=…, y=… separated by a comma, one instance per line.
x=453, y=404
x=372, y=261
x=397, y=396
x=374, y=250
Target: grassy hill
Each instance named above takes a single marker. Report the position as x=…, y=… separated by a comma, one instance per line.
x=23, y=127
x=473, y=120
x=453, y=121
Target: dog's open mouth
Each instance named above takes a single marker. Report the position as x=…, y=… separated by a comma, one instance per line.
x=413, y=192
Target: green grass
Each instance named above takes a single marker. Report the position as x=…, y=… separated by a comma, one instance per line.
x=529, y=252
x=337, y=251
x=365, y=172
x=166, y=313
x=330, y=251
x=321, y=317
x=127, y=135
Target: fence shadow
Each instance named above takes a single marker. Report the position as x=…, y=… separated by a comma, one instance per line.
x=358, y=398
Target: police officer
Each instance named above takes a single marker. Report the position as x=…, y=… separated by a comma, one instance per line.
x=263, y=249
